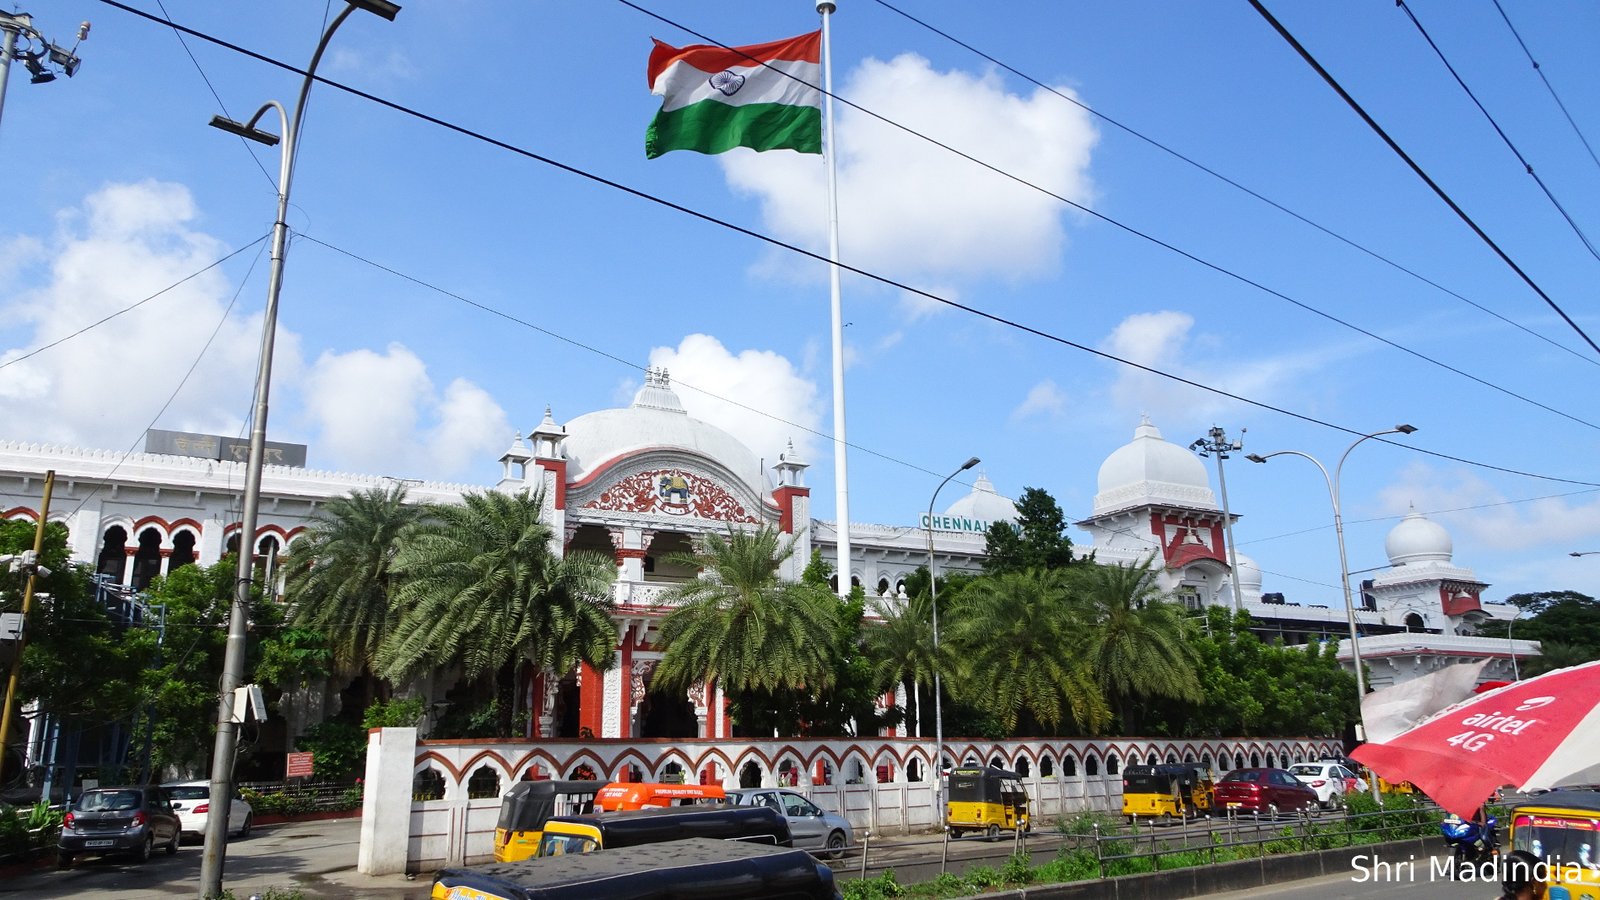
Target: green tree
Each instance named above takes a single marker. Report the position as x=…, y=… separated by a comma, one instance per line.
x=1136, y=641
x=1565, y=623
x=342, y=573
x=899, y=647
x=479, y=587
x=1038, y=540
x=742, y=625
x=1014, y=646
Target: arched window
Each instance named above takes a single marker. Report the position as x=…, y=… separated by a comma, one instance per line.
x=484, y=783
x=1047, y=766
x=914, y=770
x=1069, y=766
x=1091, y=765
x=428, y=785
x=750, y=775
x=1111, y=764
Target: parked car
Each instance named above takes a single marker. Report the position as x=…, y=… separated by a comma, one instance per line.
x=1265, y=792
x=813, y=827
x=119, y=820
x=1331, y=781
x=191, y=800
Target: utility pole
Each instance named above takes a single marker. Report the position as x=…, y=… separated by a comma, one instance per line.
x=30, y=564
x=1216, y=444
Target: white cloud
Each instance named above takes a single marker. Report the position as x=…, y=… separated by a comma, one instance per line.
x=1045, y=400
x=381, y=413
x=1477, y=512
x=914, y=211
x=753, y=395
x=1166, y=341
x=102, y=388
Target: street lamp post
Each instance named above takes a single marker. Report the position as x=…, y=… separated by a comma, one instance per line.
x=1511, y=646
x=39, y=56
x=938, y=704
x=1216, y=443
x=1344, y=565
x=216, y=834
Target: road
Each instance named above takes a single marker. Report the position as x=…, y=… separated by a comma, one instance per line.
x=317, y=858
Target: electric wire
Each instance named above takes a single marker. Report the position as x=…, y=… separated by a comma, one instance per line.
x=1576, y=228
x=1132, y=132
x=99, y=483
x=1433, y=185
x=1173, y=248
x=434, y=120
x=212, y=88
x=889, y=282
x=1547, y=85
x=129, y=308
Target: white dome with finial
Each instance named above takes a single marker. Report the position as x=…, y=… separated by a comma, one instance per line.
x=1151, y=471
x=983, y=504
x=1418, y=539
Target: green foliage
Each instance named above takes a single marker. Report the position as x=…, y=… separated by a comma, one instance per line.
x=1565, y=623
x=1017, y=870
x=879, y=888
x=1087, y=822
x=293, y=658
x=338, y=749
x=1069, y=865
x=1038, y=540
x=394, y=713
x=743, y=625
x=983, y=878
x=24, y=830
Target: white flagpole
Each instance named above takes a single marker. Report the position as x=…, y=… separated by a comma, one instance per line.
x=841, y=481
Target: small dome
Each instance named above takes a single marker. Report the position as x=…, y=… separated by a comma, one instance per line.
x=1149, y=470
x=1249, y=574
x=983, y=504
x=1417, y=539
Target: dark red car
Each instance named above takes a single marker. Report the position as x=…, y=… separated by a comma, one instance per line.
x=1265, y=792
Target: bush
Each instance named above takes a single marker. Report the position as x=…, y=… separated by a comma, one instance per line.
x=879, y=888
x=394, y=714
x=1017, y=870
x=338, y=749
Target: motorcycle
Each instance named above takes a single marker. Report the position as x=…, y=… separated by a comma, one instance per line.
x=1471, y=842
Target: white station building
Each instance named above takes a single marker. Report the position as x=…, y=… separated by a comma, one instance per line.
x=642, y=481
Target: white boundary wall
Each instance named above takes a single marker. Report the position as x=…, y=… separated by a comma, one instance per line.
x=839, y=774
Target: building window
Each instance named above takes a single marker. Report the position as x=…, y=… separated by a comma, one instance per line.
x=1189, y=596
x=484, y=783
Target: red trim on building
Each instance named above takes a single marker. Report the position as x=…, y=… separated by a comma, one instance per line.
x=559, y=467
x=591, y=699
x=785, y=499
x=625, y=662
x=1456, y=604
x=623, y=553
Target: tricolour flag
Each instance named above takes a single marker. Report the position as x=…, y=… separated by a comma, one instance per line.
x=716, y=98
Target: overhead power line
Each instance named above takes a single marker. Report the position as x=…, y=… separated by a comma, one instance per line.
x=1497, y=129
x=889, y=282
x=1547, y=85
x=1454, y=207
x=1132, y=132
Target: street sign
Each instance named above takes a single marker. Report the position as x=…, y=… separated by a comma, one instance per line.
x=300, y=765
x=10, y=626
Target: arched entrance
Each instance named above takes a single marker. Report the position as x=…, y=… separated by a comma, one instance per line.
x=665, y=714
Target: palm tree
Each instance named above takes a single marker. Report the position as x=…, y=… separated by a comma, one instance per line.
x=901, y=647
x=1012, y=645
x=341, y=589
x=1135, y=640
x=481, y=589
x=742, y=625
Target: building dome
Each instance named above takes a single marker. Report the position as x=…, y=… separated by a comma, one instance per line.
x=1249, y=575
x=983, y=504
x=1417, y=539
x=655, y=421
x=1151, y=471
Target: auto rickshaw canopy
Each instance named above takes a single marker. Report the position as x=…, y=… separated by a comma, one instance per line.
x=527, y=805
x=985, y=784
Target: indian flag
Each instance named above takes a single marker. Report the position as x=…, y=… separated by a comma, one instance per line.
x=717, y=98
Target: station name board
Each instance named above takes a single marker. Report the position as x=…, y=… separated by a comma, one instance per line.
x=955, y=523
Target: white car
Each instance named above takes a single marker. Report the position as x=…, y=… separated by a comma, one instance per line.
x=1329, y=780
x=812, y=827
x=191, y=800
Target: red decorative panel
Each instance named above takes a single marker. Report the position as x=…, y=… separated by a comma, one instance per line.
x=673, y=493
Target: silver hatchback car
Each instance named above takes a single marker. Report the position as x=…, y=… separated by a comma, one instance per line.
x=812, y=827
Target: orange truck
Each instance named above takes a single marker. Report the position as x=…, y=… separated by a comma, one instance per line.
x=645, y=795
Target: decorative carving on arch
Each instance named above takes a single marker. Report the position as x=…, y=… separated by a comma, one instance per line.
x=673, y=492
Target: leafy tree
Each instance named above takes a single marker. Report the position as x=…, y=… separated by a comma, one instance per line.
x=1135, y=641
x=342, y=573
x=742, y=625
x=900, y=650
x=1565, y=623
x=1012, y=644
x=480, y=588
x=1038, y=540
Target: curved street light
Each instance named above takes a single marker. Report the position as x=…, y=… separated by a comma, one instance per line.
x=938, y=705
x=1344, y=565
x=216, y=835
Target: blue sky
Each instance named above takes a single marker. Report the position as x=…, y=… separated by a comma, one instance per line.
x=441, y=292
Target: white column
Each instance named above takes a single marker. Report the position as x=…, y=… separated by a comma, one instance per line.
x=386, y=801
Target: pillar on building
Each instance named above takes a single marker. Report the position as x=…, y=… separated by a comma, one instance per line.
x=591, y=701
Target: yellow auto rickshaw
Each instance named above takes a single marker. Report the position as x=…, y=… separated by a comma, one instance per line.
x=528, y=805
x=1166, y=792
x=1563, y=829
x=983, y=798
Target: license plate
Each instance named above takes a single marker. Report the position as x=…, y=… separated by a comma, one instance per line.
x=1235, y=805
x=98, y=843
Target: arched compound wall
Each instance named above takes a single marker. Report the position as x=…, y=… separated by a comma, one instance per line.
x=456, y=830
